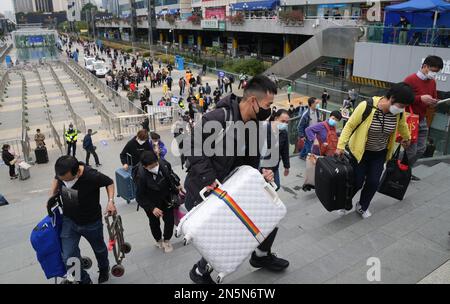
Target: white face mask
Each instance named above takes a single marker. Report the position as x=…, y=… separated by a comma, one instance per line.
x=431, y=75
x=395, y=110
x=140, y=142
x=154, y=170
x=70, y=183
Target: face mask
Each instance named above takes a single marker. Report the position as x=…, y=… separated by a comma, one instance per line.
x=318, y=106
x=70, y=184
x=282, y=126
x=140, y=142
x=395, y=110
x=432, y=75
x=332, y=122
x=154, y=170
x=262, y=114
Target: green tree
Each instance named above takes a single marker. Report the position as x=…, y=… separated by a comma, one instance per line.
x=86, y=10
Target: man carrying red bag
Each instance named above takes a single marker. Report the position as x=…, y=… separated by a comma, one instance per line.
x=424, y=86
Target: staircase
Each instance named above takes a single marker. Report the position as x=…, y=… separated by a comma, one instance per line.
x=409, y=237
x=332, y=42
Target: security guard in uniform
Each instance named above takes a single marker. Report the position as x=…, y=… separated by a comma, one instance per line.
x=71, y=136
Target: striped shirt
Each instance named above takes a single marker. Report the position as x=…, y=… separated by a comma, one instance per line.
x=383, y=125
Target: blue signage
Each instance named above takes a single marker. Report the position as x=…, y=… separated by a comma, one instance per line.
x=35, y=39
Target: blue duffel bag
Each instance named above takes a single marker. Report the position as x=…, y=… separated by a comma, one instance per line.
x=46, y=241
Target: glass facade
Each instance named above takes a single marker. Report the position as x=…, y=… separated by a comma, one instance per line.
x=166, y=2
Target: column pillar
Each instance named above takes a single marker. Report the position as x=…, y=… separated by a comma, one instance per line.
x=235, y=46
x=286, y=46
x=180, y=41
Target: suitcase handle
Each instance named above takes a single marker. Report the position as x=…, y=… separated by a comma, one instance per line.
x=205, y=189
x=270, y=187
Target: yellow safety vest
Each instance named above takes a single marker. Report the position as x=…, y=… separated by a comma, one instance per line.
x=71, y=136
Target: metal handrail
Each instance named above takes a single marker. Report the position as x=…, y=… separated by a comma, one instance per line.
x=77, y=119
x=55, y=133
x=4, y=82
x=125, y=104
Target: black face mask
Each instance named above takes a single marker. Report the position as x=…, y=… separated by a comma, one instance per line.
x=262, y=114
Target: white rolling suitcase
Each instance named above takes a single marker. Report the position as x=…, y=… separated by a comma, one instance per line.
x=233, y=220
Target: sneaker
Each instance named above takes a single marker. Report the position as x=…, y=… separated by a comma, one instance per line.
x=103, y=276
x=366, y=214
x=270, y=261
x=159, y=244
x=98, y=165
x=415, y=178
x=167, y=246
x=358, y=208
x=342, y=212
x=200, y=279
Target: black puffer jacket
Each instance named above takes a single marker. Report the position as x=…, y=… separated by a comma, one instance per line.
x=155, y=193
x=204, y=170
x=7, y=157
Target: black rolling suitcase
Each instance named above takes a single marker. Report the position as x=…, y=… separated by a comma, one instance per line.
x=334, y=182
x=41, y=155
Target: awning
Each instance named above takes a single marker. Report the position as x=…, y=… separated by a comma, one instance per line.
x=255, y=5
x=168, y=12
x=420, y=5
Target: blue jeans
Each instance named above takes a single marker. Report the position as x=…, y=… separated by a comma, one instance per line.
x=93, y=233
x=306, y=148
x=367, y=176
x=276, y=177
x=416, y=150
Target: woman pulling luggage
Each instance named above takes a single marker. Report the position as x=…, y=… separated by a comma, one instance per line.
x=371, y=140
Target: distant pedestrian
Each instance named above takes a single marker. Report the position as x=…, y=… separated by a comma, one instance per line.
x=90, y=148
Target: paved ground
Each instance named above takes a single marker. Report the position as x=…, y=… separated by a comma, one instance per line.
x=409, y=237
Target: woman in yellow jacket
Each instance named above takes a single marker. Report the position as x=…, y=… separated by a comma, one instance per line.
x=372, y=141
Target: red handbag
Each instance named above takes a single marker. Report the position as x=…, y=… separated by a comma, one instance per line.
x=299, y=145
x=412, y=120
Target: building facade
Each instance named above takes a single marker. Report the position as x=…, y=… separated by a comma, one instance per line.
x=43, y=6
x=23, y=6
x=60, y=5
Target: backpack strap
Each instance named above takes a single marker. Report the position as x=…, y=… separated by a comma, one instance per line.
x=366, y=113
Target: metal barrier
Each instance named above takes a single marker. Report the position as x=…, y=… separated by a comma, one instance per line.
x=3, y=83
x=77, y=119
x=113, y=96
x=105, y=115
x=53, y=131
x=129, y=125
x=25, y=140
x=4, y=51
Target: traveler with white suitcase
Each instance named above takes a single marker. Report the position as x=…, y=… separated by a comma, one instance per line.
x=204, y=170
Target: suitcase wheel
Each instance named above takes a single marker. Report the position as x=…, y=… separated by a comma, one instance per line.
x=117, y=270
x=86, y=262
x=209, y=268
x=126, y=248
x=219, y=278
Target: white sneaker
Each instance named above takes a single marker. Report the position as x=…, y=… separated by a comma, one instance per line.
x=159, y=244
x=342, y=212
x=366, y=214
x=167, y=246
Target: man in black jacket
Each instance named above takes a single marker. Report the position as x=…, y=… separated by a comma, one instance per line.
x=90, y=148
x=155, y=185
x=131, y=153
x=204, y=170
